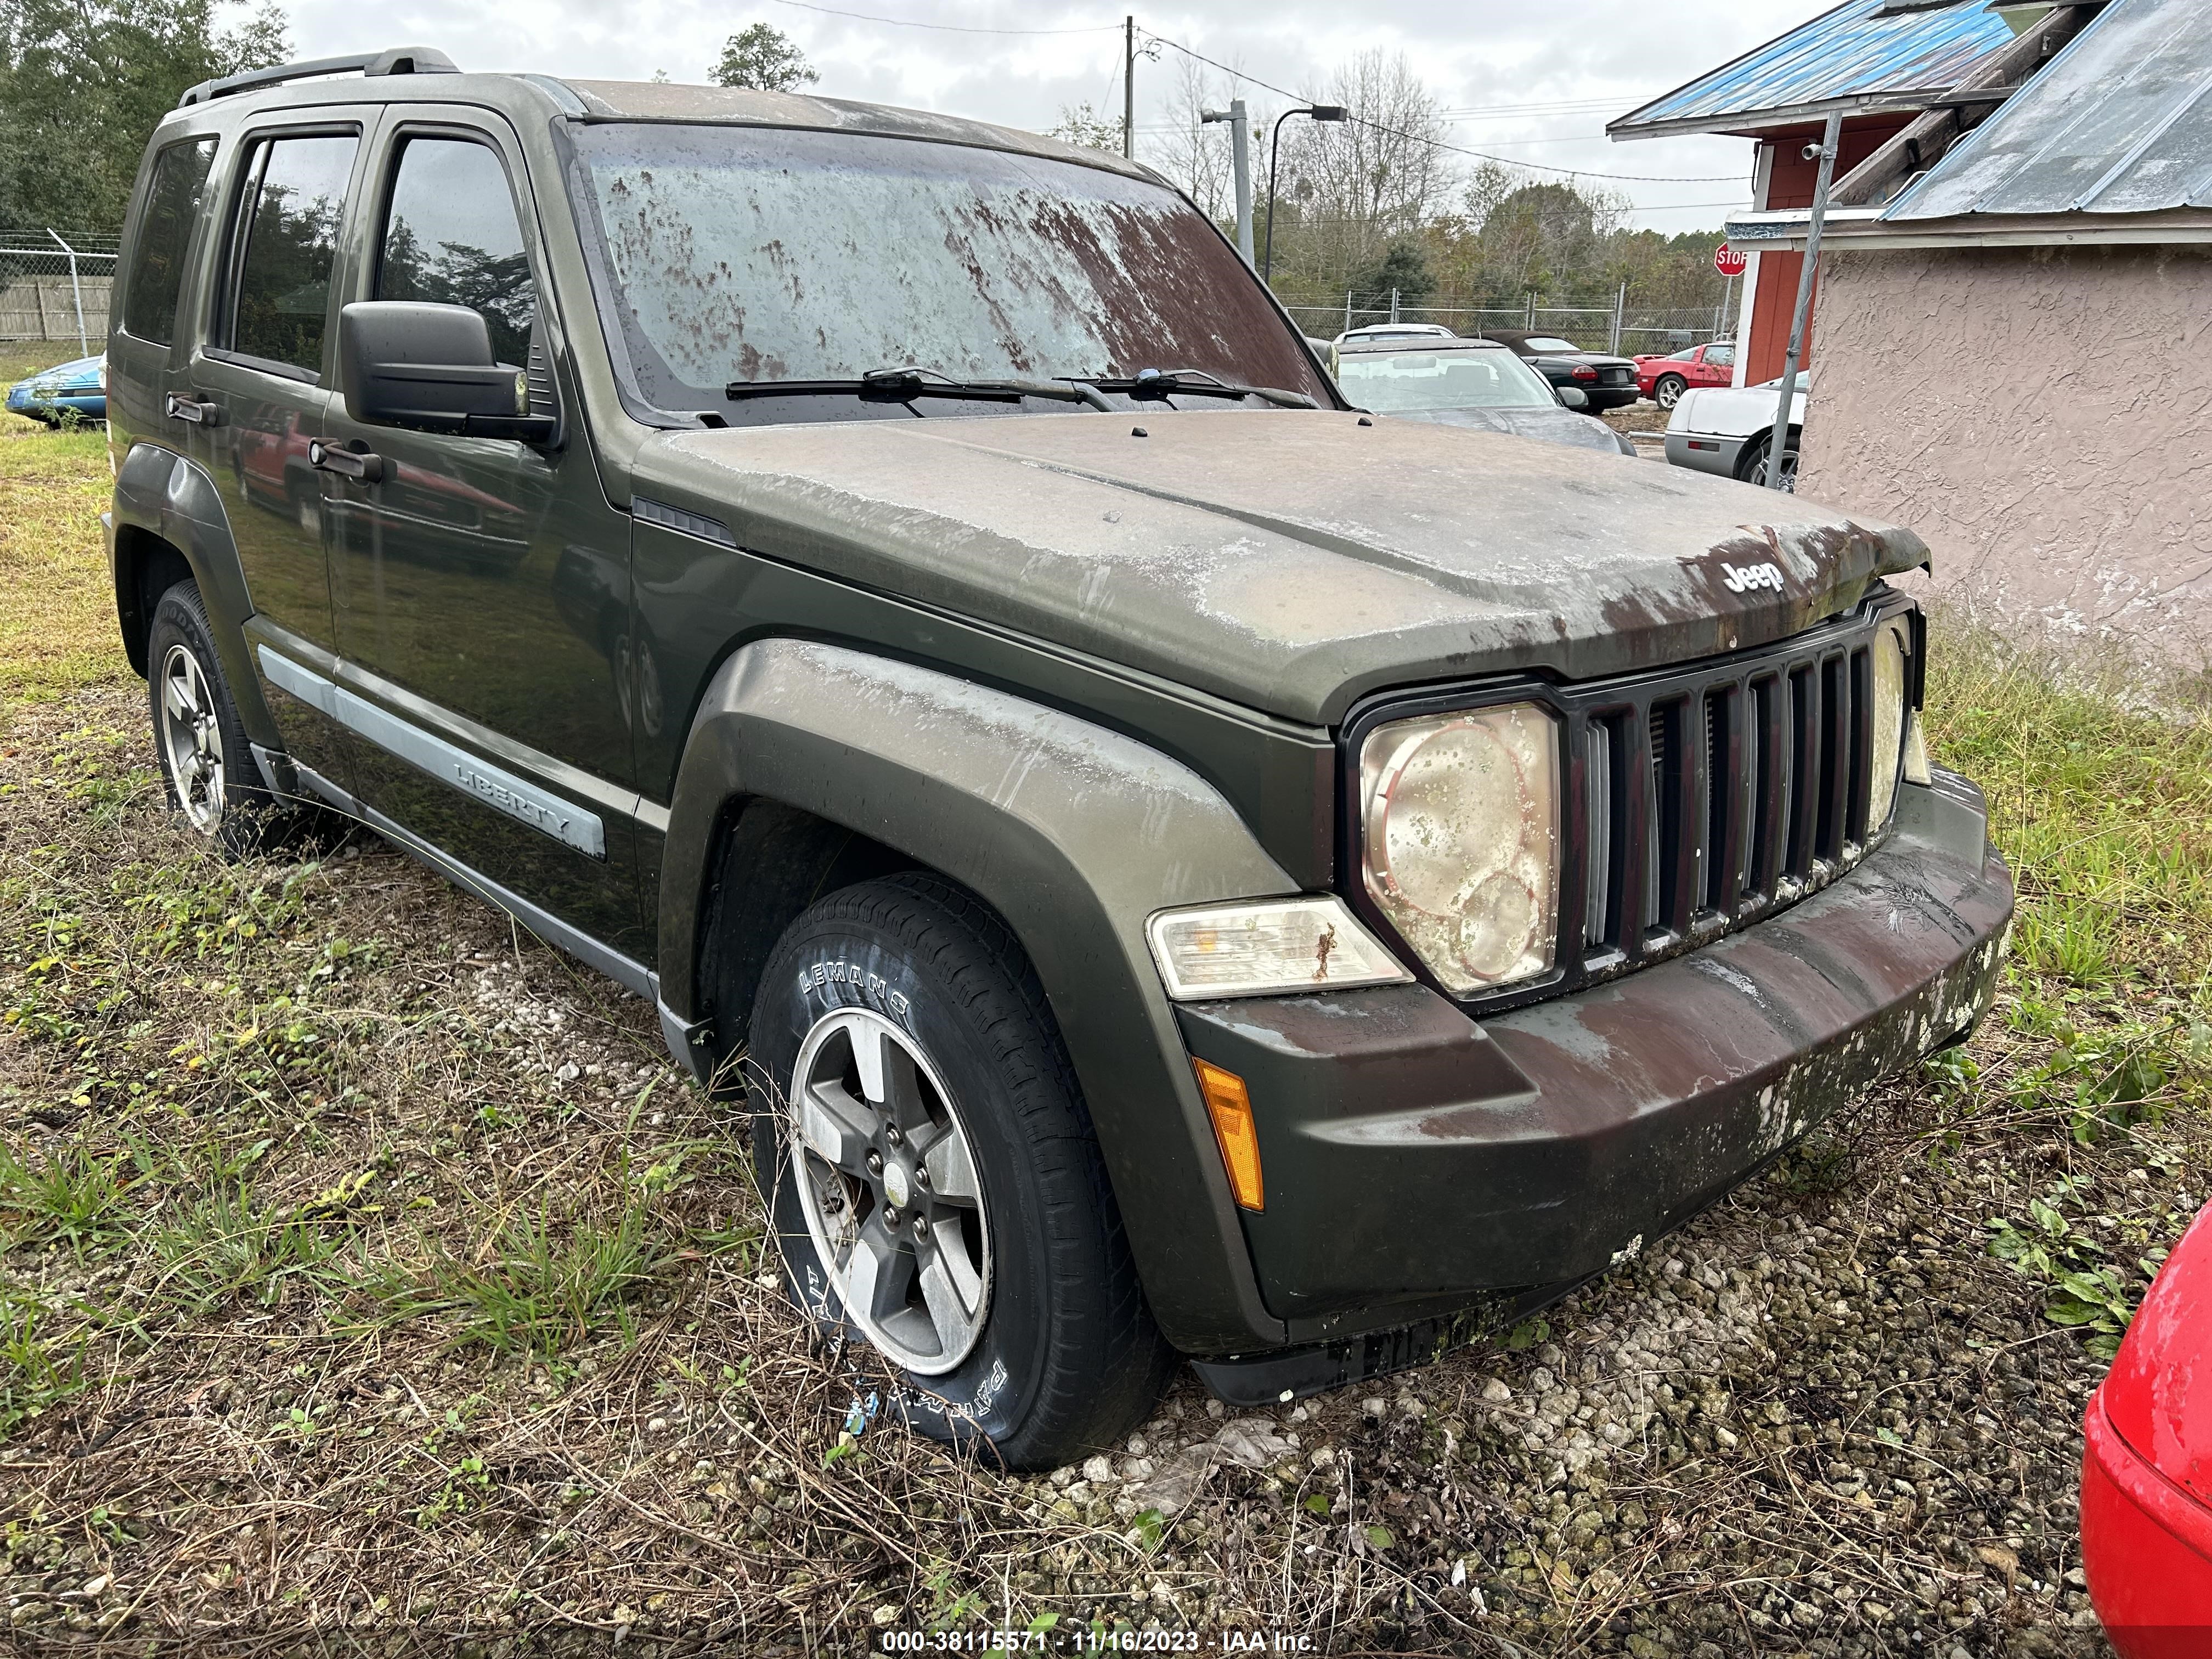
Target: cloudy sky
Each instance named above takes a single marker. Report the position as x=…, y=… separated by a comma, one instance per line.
x=1532, y=83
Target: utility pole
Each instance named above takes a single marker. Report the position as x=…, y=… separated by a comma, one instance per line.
x=1129, y=90
x=1778, y=441
x=1240, y=150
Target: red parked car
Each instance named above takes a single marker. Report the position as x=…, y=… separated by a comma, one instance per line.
x=2146, y=1470
x=1664, y=379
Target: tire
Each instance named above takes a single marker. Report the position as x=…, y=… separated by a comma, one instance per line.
x=199, y=739
x=1035, y=1342
x=1751, y=466
x=1668, y=390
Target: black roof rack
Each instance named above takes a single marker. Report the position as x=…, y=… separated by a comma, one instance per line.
x=393, y=60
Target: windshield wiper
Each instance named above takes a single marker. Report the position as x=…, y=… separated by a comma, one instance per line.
x=907, y=381
x=1160, y=383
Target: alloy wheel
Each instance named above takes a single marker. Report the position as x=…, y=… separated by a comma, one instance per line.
x=191, y=739
x=887, y=1181
x=1759, y=474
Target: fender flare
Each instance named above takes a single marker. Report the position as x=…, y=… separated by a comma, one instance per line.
x=1075, y=833
x=160, y=493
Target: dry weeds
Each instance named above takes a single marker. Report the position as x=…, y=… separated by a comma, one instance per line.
x=369, y=1281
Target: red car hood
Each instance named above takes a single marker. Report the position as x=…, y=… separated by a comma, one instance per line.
x=2159, y=1392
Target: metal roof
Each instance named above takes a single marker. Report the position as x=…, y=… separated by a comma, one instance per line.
x=2119, y=122
x=1860, y=53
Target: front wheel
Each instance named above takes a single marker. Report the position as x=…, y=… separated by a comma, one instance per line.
x=936, y=1186
x=1668, y=391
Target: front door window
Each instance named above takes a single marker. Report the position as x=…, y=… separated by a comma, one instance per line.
x=453, y=238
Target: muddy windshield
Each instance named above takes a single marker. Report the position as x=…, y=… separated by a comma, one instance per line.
x=732, y=255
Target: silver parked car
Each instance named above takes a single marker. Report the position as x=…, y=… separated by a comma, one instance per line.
x=1729, y=429
x=1477, y=384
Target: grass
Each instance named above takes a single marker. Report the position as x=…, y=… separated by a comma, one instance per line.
x=363, y=1261
x=537, y=1285
x=2105, y=811
x=58, y=626
x=67, y=1194
x=21, y=359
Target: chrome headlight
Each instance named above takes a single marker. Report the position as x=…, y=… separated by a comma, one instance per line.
x=1890, y=718
x=1460, y=821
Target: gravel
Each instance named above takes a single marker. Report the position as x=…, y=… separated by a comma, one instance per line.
x=1818, y=1421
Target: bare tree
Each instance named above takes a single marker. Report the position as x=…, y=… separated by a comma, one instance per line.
x=1195, y=155
x=1360, y=183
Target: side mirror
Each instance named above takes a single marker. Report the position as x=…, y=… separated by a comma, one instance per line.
x=1573, y=396
x=431, y=367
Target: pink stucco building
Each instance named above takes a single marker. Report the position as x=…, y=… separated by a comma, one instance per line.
x=2016, y=336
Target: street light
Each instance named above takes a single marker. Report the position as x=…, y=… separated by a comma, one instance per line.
x=1319, y=113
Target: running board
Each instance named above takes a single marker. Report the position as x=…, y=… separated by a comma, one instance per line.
x=686, y=1042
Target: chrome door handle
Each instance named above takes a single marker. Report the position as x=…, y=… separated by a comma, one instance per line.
x=359, y=465
x=182, y=408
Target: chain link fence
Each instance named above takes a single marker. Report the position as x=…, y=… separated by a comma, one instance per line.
x=1623, y=327
x=56, y=287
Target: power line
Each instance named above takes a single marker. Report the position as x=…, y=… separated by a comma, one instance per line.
x=1439, y=143
x=1357, y=120
x=946, y=28
x=1564, y=104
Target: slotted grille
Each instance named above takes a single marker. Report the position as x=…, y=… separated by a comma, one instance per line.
x=1700, y=800
x=1752, y=780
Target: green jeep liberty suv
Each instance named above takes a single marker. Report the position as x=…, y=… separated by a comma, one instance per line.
x=1175, y=866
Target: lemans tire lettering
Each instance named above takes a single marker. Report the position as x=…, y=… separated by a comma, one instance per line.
x=814, y=980
x=994, y=1384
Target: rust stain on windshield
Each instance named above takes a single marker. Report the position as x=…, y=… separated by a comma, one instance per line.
x=745, y=255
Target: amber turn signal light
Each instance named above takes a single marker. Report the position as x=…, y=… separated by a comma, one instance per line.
x=1230, y=1108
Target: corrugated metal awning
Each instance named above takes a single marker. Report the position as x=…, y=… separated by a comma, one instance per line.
x=2120, y=122
x=1866, y=52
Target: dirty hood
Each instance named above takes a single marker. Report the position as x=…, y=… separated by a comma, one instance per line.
x=1551, y=426
x=1292, y=561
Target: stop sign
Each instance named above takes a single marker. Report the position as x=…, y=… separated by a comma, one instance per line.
x=1729, y=261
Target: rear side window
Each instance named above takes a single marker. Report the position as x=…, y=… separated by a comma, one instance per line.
x=451, y=238
x=288, y=239
x=165, y=231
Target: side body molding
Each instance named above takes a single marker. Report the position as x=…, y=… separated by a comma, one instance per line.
x=160, y=492
x=1074, y=834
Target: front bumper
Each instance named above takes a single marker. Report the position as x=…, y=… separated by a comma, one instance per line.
x=1419, y=1164
x=2146, y=1547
